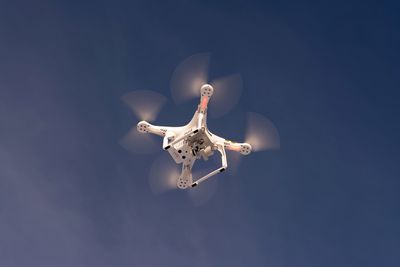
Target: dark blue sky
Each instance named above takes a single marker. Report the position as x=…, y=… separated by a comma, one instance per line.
x=325, y=72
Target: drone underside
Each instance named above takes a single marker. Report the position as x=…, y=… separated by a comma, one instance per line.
x=194, y=141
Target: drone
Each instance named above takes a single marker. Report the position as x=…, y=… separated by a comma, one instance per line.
x=194, y=141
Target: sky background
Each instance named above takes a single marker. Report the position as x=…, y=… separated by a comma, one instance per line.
x=325, y=72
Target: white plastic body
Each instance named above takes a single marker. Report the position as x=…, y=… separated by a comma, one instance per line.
x=193, y=141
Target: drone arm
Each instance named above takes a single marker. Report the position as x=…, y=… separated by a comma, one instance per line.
x=243, y=148
x=200, y=120
x=145, y=127
x=202, y=110
x=224, y=163
x=206, y=92
x=166, y=132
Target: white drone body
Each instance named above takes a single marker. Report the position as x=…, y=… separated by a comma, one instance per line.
x=194, y=141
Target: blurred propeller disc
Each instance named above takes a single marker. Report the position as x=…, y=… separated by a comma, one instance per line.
x=234, y=158
x=145, y=104
x=192, y=73
x=189, y=76
x=163, y=174
x=139, y=143
x=227, y=92
x=261, y=133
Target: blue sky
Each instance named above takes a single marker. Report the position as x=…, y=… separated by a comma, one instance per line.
x=326, y=73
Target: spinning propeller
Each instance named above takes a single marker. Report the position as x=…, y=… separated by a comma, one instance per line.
x=163, y=174
x=145, y=105
x=192, y=73
x=261, y=134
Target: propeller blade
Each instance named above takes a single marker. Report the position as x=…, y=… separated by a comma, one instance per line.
x=227, y=92
x=145, y=104
x=163, y=174
x=261, y=133
x=189, y=76
x=192, y=73
x=139, y=143
x=234, y=160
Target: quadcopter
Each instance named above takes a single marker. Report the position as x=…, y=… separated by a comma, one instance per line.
x=194, y=141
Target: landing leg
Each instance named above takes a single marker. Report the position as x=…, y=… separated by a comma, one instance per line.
x=221, y=169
